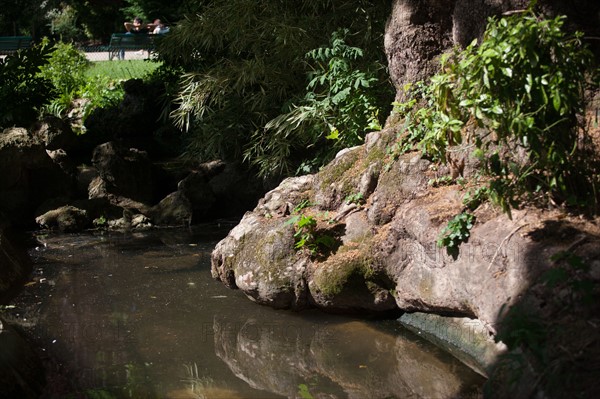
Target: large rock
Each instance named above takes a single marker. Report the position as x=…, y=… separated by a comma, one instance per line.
x=65, y=219
x=196, y=188
x=125, y=172
x=28, y=176
x=54, y=133
x=173, y=210
x=385, y=259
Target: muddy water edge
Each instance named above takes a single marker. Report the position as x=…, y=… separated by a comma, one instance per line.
x=137, y=315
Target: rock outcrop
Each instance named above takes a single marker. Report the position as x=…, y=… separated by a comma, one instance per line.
x=386, y=256
x=360, y=236
x=28, y=175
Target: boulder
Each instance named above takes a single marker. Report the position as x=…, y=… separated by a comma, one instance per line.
x=65, y=219
x=386, y=260
x=196, y=188
x=125, y=172
x=28, y=175
x=174, y=210
x=54, y=133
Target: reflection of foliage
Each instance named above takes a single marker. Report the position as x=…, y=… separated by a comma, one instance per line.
x=138, y=382
x=99, y=394
x=197, y=385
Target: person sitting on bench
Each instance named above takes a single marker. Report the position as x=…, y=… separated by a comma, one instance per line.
x=136, y=27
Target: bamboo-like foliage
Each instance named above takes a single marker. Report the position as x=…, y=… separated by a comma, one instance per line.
x=245, y=64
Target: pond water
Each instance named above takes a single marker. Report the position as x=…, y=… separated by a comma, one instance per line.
x=137, y=315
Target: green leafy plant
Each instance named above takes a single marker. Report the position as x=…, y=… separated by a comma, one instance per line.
x=456, y=232
x=245, y=63
x=66, y=68
x=524, y=85
x=69, y=71
x=306, y=235
x=441, y=181
x=474, y=198
x=305, y=232
x=99, y=92
x=513, y=100
x=304, y=392
x=341, y=105
x=23, y=90
x=356, y=198
x=100, y=221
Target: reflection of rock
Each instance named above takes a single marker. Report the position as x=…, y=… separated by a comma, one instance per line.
x=352, y=357
x=15, y=265
x=21, y=372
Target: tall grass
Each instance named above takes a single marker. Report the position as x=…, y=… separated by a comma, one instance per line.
x=122, y=69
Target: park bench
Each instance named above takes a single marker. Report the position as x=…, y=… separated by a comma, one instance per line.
x=120, y=42
x=10, y=44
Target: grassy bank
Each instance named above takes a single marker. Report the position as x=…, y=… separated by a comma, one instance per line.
x=122, y=69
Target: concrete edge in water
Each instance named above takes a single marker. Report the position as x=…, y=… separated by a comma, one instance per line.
x=467, y=339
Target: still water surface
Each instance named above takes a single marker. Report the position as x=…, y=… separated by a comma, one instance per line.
x=138, y=315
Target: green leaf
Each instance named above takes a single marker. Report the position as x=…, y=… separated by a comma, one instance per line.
x=333, y=135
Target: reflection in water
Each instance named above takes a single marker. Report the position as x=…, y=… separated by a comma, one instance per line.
x=342, y=358
x=138, y=315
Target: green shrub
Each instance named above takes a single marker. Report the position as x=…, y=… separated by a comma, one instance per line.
x=524, y=86
x=66, y=68
x=513, y=100
x=342, y=104
x=245, y=64
x=23, y=90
